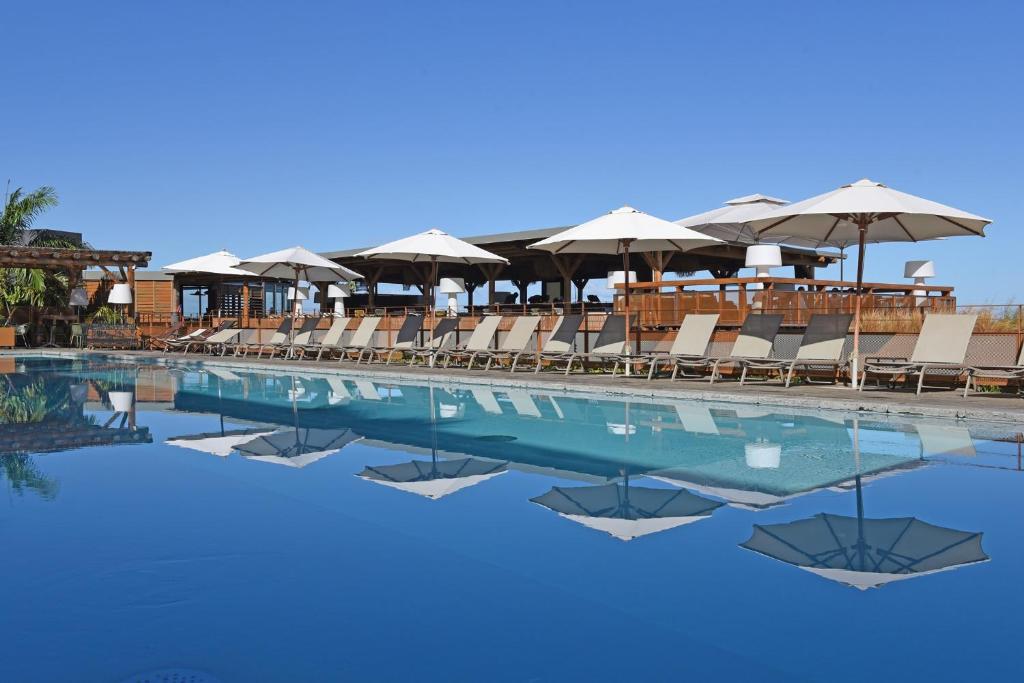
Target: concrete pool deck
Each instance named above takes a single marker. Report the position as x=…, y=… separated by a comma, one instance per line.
x=988, y=407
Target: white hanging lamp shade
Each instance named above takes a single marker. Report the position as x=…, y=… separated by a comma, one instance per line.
x=120, y=293
x=919, y=270
x=763, y=257
x=79, y=297
x=121, y=401
x=301, y=295
x=335, y=291
x=618, y=277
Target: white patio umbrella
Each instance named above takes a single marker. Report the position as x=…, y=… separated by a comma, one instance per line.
x=432, y=246
x=730, y=222
x=862, y=212
x=621, y=231
x=300, y=264
x=218, y=263
x=297, y=447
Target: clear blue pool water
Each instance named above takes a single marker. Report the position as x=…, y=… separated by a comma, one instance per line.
x=273, y=527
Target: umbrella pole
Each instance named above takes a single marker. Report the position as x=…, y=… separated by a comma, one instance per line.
x=291, y=332
x=433, y=279
x=862, y=228
x=625, y=266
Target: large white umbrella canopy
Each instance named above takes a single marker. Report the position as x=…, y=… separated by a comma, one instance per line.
x=731, y=221
x=621, y=231
x=296, y=447
x=297, y=263
x=862, y=212
x=218, y=263
x=432, y=247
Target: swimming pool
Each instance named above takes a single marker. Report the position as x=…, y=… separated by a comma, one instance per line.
x=255, y=526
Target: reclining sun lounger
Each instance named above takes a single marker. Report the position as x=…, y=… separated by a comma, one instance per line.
x=361, y=339
x=561, y=343
x=610, y=347
x=754, y=343
x=279, y=337
x=302, y=338
x=217, y=342
x=479, y=342
x=442, y=334
x=515, y=343
x=405, y=339
x=331, y=340
x=1008, y=373
x=821, y=347
x=689, y=346
x=182, y=341
x=941, y=346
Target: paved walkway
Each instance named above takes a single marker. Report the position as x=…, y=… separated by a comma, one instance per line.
x=940, y=403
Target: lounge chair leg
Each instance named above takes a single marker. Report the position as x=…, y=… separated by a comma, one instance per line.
x=650, y=370
x=967, y=384
x=743, y=375
x=714, y=372
x=789, y=374
x=920, y=379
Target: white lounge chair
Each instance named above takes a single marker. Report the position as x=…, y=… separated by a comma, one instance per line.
x=361, y=339
x=941, y=347
x=690, y=344
x=479, y=341
x=330, y=341
x=515, y=343
x=405, y=340
x=439, y=338
x=561, y=343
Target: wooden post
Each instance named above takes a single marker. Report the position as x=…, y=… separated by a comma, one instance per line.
x=131, y=285
x=491, y=272
x=245, y=304
x=567, y=266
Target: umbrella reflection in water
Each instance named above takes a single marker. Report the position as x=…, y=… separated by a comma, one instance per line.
x=627, y=512
x=434, y=479
x=867, y=553
x=297, y=447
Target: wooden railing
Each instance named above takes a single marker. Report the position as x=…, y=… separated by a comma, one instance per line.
x=795, y=299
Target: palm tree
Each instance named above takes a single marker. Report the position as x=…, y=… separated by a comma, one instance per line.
x=21, y=209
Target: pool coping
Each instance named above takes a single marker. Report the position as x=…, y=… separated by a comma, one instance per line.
x=892, y=403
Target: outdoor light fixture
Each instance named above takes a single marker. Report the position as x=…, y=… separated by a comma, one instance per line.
x=919, y=271
x=452, y=286
x=121, y=401
x=618, y=277
x=762, y=455
x=339, y=294
x=763, y=257
x=120, y=293
x=79, y=297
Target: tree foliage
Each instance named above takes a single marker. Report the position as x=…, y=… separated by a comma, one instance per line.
x=21, y=209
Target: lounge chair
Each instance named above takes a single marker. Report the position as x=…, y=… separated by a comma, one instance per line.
x=754, y=343
x=610, y=346
x=560, y=344
x=404, y=340
x=157, y=342
x=439, y=338
x=1007, y=373
x=515, y=343
x=479, y=342
x=361, y=339
x=941, y=346
x=302, y=338
x=182, y=341
x=217, y=342
x=331, y=340
x=279, y=337
x=689, y=346
x=821, y=347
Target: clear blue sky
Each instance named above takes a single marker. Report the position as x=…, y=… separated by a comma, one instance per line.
x=186, y=127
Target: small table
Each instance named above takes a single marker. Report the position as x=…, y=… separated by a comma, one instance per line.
x=55, y=318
